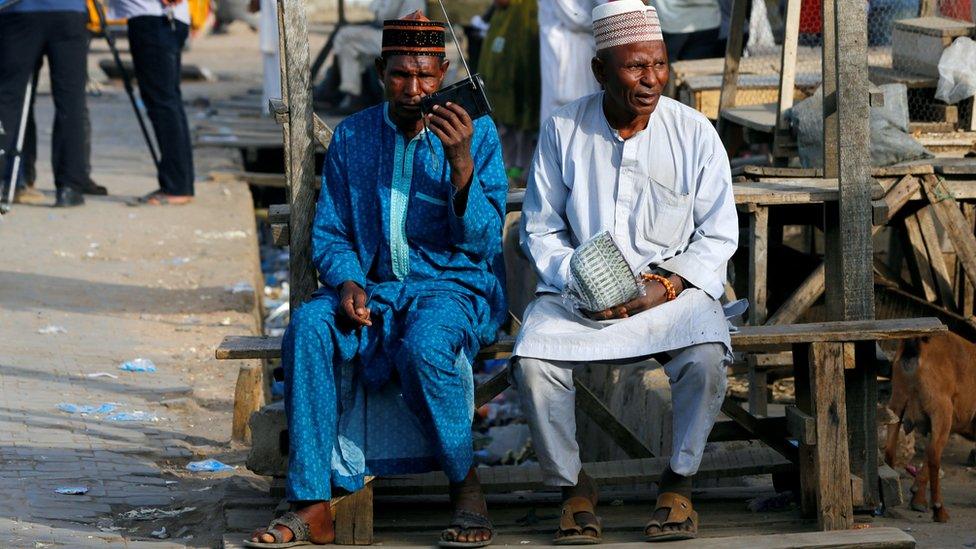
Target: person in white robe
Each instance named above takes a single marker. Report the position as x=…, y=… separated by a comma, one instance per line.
x=565, y=49
x=654, y=173
x=268, y=42
x=357, y=47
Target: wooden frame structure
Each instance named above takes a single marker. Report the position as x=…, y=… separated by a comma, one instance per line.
x=829, y=435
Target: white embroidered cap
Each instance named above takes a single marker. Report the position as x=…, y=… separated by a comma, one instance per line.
x=620, y=22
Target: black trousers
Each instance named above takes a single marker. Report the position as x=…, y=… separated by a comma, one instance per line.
x=694, y=45
x=156, y=47
x=29, y=160
x=61, y=36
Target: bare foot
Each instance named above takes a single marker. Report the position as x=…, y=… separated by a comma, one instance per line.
x=467, y=495
x=318, y=516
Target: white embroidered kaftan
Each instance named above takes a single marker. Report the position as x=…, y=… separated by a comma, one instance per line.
x=665, y=195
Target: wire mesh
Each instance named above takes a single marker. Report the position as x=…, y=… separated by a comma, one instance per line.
x=905, y=40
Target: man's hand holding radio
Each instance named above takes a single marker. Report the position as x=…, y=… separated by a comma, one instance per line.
x=452, y=125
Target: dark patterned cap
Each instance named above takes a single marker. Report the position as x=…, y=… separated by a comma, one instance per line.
x=413, y=35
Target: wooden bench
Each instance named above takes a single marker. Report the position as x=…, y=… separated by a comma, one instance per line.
x=813, y=435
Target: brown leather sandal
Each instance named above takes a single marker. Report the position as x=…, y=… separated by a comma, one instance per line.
x=572, y=533
x=680, y=512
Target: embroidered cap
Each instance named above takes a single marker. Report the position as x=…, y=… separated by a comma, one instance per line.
x=413, y=35
x=624, y=22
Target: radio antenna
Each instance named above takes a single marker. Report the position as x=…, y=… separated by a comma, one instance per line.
x=457, y=44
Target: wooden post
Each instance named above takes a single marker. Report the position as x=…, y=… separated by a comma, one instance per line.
x=946, y=208
x=787, y=79
x=354, y=517
x=833, y=473
x=733, y=54
x=298, y=145
x=967, y=290
x=807, y=461
x=248, y=398
x=849, y=262
x=933, y=245
x=758, y=252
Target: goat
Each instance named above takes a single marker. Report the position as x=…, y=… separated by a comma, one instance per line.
x=933, y=390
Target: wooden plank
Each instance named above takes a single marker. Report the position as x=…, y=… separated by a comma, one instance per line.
x=733, y=54
x=758, y=254
x=954, y=222
x=279, y=213
x=806, y=452
x=967, y=290
x=625, y=438
x=761, y=118
x=280, y=235
x=801, y=299
x=774, y=439
x=919, y=257
x=243, y=347
x=940, y=270
x=748, y=337
x=729, y=430
x=485, y=392
x=861, y=380
x=323, y=133
x=777, y=171
x=787, y=78
x=758, y=379
x=851, y=296
x=893, y=302
x=299, y=146
x=801, y=426
x=887, y=75
x=508, y=478
x=832, y=461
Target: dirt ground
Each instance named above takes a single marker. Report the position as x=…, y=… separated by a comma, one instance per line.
x=85, y=289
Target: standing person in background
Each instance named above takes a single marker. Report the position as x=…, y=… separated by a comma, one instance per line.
x=28, y=194
x=29, y=30
x=509, y=64
x=157, y=31
x=565, y=49
x=691, y=28
x=357, y=47
x=268, y=40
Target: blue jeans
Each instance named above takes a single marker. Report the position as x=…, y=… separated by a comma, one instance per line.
x=156, y=47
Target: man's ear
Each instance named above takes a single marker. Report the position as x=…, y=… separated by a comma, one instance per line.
x=444, y=66
x=597, y=66
x=380, y=65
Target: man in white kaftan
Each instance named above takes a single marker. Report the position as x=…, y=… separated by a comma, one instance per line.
x=565, y=49
x=653, y=173
x=357, y=46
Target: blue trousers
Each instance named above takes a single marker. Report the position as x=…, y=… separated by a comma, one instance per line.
x=429, y=337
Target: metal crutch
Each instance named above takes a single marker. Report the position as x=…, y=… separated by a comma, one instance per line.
x=17, y=154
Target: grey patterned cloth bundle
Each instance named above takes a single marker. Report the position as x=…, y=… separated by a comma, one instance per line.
x=600, y=277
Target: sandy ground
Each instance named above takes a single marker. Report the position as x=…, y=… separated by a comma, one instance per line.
x=116, y=283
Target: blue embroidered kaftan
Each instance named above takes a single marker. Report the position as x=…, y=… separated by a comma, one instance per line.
x=396, y=397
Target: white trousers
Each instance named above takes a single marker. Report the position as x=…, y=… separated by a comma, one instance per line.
x=356, y=48
x=698, y=383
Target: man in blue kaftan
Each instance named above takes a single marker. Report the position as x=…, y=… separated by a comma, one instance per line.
x=406, y=239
